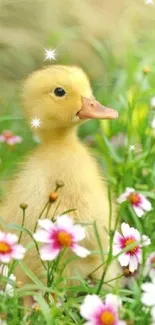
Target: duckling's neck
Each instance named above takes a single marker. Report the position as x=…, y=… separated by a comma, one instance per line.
x=61, y=136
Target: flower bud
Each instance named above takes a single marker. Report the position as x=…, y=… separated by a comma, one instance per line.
x=146, y=70
x=53, y=196
x=19, y=284
x=127, y=273
x=59, y=183
x=23, y=206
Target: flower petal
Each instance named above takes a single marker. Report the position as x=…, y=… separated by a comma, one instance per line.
x=46, y=224
x=64, y=222
x=5, y=258
x=2, y=138
x=18, y=252
x=91, y=305
x=4, y=270
x=49, y=253
x=78, y=232
x=152, y=274
x=123, y=197
x=116, y=249
x=124, y=259
x=145, y=204
x=113, y=299
x=117, y=238
x=2, y=236
x=148, y=287
x=80, y=251
x=135, y=234
x=145, y=240
x=11, y=238
x=42, y=236
x=148, y=299
x=133, y=265
x=126, y=230
x=138, y=210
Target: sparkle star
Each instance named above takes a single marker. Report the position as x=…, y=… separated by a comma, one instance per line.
x=50, y=54
x=149, y=2
x=35, y=122
x=132, y=147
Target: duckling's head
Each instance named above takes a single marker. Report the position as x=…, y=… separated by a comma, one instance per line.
x=61, y=98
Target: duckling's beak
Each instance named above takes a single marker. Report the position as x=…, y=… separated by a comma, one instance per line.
x=92, y=109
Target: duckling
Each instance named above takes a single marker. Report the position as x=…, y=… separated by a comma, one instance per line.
x=61, y=98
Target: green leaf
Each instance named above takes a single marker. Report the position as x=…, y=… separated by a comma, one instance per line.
x=32, y=276
x=45, y=309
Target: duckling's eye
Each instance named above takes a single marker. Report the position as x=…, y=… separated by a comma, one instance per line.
x=59, y=92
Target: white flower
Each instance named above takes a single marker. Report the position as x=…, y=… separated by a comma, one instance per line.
x=149, y=268
x=62, y=233
x=97, y=312
x=148, y=297
x=138, y=201
x=9, y=248
x=9, y=289
x=133, y=256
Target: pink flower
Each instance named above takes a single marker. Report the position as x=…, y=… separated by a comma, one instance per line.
x=98, y=313
x=150, y=266
x=62, y=233
x=118, y=140
x=129, y=236
x=9, y=249
x=139, y=202
x=9, y=138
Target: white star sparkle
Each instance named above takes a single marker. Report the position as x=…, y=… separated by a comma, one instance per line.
x=132, y=147
x=50, y=54
x=149, y=2
x=35, y=122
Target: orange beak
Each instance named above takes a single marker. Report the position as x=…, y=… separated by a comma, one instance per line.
x=92, y=109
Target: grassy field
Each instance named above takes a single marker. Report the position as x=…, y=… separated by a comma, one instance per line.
x=128, y=85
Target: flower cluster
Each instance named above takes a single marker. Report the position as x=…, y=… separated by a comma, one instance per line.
x=97, y=312
x=9, y=138
x=138, y=201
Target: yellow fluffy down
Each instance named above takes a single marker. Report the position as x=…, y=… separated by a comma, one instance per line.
x=61, y=156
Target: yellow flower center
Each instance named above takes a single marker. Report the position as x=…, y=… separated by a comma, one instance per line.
x=64, y=238
x=107, y=318
x=133, y=198
x=8, y=134
x=128, y=242
x=4, y=248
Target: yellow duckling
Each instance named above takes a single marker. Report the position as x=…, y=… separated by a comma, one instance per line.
x=61, y=98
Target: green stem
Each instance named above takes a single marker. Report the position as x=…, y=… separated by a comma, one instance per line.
x=23, y=222
x=40, y=215
x=111, y=233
